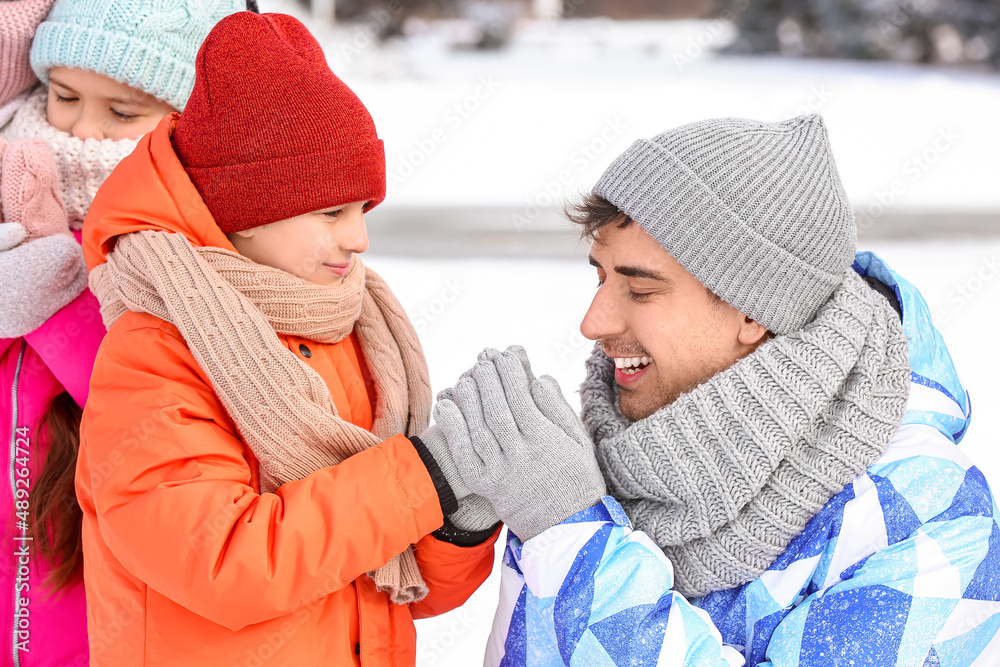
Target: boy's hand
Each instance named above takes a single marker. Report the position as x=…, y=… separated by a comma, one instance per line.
x=474, y=513
x=530, y=455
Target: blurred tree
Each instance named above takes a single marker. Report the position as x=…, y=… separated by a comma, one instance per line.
x=494, y=19
x=639, y=9
x=930, y=31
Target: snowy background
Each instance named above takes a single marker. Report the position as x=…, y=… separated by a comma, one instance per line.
x=483, y=148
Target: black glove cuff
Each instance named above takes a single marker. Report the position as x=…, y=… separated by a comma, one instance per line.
x=463, y=538
x=449, y=504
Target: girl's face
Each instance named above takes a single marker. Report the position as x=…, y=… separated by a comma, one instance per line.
x=89, y=105
x=315, y=246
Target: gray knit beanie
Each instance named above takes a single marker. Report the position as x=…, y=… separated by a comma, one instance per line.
x=755, y=211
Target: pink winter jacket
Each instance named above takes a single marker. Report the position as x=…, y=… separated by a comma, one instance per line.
x=40, y=628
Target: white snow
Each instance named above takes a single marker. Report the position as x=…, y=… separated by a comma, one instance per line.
x=466, y=128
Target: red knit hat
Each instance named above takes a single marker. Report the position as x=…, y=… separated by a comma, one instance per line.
x=270, y=132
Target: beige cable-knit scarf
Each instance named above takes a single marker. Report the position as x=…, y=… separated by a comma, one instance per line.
x=83, y=164
x=228, y=309
x=726, y=476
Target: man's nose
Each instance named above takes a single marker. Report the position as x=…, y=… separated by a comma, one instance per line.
x=603, y=319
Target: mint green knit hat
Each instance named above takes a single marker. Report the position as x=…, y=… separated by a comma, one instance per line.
x=146, y=44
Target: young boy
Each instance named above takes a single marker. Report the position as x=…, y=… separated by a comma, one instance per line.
x=249, y=491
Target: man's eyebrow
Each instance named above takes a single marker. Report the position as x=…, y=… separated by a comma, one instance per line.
x=634, y=272
x=640, y=272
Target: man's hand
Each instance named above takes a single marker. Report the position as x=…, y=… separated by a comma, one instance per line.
x=524, y=449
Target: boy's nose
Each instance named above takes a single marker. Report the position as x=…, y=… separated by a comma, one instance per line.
x=356, y=238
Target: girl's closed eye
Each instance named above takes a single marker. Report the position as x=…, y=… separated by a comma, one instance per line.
x=124, y=117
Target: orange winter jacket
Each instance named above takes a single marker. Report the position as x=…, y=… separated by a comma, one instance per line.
x=186, y=563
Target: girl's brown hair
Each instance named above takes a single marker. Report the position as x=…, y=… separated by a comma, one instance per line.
x=56, y=517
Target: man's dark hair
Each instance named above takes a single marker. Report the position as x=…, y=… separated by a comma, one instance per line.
x=252, y=6
x=593, y=213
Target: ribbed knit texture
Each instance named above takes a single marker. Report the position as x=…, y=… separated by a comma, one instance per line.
x=725, y=477
x=270, y=132
x=228, y=308
x=755, y=211
x=8, y=110
x=150, y=45
x=29, y=189
x=18, y=21
x=83, y=164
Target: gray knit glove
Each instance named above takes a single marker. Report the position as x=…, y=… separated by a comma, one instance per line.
x=530, y=455
x=474, y=512
x=37, y=279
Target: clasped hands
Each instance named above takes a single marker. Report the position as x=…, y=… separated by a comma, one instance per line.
x=512, y=448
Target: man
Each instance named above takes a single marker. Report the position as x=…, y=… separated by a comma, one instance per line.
x=776, y=415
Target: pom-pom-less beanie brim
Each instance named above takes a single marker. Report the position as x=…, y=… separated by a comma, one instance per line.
x=122, y=57
x=270, y=132
x=148, y=45
x=755, y=211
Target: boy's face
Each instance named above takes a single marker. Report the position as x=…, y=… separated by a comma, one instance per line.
x=315, y=246
x=89, y=105
x=650, y=308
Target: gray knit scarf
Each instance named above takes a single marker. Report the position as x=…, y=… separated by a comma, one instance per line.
x=726, y=476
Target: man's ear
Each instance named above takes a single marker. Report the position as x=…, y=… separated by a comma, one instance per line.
x=752, y=332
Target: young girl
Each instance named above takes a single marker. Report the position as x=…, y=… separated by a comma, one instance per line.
x=111, y=70
x=250, y=494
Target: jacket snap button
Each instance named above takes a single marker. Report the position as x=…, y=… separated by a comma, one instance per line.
x=306, y=352
x=357, y=649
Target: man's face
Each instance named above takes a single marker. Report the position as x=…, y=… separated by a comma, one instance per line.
x=666, y=332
